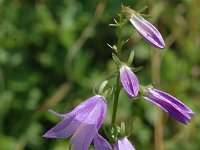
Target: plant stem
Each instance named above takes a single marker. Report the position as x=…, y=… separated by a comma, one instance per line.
x=118, y=88
x=119, y=44
x=116, y=98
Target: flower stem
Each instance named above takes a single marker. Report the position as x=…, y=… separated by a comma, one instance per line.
x=119, y=44
x=118, y=88
x=116, y=98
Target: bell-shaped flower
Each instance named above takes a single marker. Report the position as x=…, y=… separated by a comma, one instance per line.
x=129, y=81
x=123, y=144
x=169, y=104
x=82, y=123
x=147, y=30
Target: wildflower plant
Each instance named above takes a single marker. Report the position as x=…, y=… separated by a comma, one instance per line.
x=83, y=122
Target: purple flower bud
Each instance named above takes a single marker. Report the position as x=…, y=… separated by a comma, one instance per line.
x=129, y=81
x=170, y=105
x=147, y=30
x=123, y=144
x=82, y=123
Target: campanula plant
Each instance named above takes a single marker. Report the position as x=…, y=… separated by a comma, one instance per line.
x=82, y=124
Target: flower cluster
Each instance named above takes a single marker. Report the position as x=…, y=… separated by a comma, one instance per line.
x=83, y=122
x=168, y=103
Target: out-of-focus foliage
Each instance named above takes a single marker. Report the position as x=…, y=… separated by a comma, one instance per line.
x=42, y=66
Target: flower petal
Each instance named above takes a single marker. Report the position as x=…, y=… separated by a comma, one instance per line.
x=83, y=137
x=60, y=115
x=91, y=111
x=129, y=81
x=63, y=129
x=147, y=30
x=94, y=113
x=81, y=107
x=123, y=144
x=100, y=143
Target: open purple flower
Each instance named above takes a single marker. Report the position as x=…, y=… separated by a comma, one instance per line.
x=170, y=105
x=123, y=144
x=147, y=30
x=82, y=123
x=129, y=81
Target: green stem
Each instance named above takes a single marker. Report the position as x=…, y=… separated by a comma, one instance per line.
x=119, y=45
x=118, y=88
x=116, y=98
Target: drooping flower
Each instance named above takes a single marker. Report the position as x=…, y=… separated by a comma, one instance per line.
x=147, y=30
x=123, y=144
x=82, y=123
x=129, y=81
x=170, y=105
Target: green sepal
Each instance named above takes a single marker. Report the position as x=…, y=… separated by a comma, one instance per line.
x=116, y=60
x=124, y=42
x=144, y=8
x=138, y=69
x=142, y=89
x=128, y=10
x=131, y=57
x=114, y=131
x=145, y=16
x=102, y=86
x=114, y=47
x=107, y=133
x=123, y=129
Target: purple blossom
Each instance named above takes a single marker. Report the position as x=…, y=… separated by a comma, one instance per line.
x=170, y=105
x=82, y=123
x=123, y=144
x=147, y=30
x=129, y=81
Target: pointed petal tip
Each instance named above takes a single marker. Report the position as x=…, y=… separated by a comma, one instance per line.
x=100, y=143
x=162, y=46
x=191, y=113
x=185, y=122
x=157, y=44
x=48, y=135
x=51, y=135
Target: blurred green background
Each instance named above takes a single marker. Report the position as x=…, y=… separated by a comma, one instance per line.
x=54, y=52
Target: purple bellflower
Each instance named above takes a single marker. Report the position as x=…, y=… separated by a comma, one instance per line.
x=82, y=124
x=129, y=81
x=147, y=30
x=123, y=144
x=169, y=104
